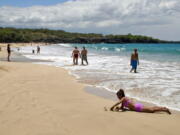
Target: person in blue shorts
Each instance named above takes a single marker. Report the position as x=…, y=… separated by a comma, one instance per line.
x=134, y=61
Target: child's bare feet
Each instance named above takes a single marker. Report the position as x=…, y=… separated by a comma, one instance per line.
x=167, y=110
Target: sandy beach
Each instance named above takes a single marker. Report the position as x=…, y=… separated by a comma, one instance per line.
x=22, y=44
x=45, y=100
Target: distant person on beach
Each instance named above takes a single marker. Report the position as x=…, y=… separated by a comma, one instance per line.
x=38, y=49
x=127, y=103
x=75, y=55
x=33, y=51
x=134, y=61
x=9, y=52
x=84, y=56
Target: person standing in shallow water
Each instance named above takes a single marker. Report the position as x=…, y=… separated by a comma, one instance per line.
x=84, y=56
x=38, y=49
x=9, y=52
x=134, y=61
x=75, y=55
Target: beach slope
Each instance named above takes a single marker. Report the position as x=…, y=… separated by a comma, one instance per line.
x=44, y=100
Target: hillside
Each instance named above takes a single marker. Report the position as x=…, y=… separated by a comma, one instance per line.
x=8, y=35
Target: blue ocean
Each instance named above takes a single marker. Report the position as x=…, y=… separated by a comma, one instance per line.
x=157, y=80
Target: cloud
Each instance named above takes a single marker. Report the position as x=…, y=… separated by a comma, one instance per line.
x=102, y=16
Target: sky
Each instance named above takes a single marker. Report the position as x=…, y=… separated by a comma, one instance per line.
x=156, y=18
x=27, y=3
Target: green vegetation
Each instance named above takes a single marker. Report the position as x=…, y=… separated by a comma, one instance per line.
x=9, y=35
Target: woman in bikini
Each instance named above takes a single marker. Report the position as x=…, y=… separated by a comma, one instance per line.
x=138, y=107
x=75, y=55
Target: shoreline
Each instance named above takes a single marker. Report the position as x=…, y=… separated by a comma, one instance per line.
x=24, y=44
x=16, y=56
x=103, y=93
x=97, y=91
x=46, y=100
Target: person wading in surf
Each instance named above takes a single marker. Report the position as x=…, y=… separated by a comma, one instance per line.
x=134, y=61
x=75, y=55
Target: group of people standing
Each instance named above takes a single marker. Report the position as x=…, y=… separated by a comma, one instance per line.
x=9, y=51
x=38, y=50
x=77, y=54
x=134, y=61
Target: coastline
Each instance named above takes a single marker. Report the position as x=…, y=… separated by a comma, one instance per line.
x=18, y=57
x=47, y=100
x=23, y=44
x=90, y=88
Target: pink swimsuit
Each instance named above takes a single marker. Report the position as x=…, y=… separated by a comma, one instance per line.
x=138, y=106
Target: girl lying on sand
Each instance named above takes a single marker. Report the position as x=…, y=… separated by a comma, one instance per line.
x=138, y=107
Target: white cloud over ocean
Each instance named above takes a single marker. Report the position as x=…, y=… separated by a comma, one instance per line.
x=158, y=18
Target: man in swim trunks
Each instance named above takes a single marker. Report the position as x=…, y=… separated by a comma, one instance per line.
x=84, y=56
x=134, y=61
x=75, y=55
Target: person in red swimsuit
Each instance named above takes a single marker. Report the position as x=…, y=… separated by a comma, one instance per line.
x=75, y=55
x=138, y=107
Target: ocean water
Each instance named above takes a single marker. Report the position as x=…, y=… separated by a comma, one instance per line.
x=157, y=80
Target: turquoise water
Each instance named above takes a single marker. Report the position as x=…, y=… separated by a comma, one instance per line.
x=170, y=52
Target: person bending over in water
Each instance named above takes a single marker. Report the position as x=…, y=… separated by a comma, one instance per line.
x=134, y=61
x=138, y=107
x=75, y=55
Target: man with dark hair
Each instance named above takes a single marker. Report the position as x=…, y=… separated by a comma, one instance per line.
x=84, y=56
x=9, y=52
x=134, y=61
